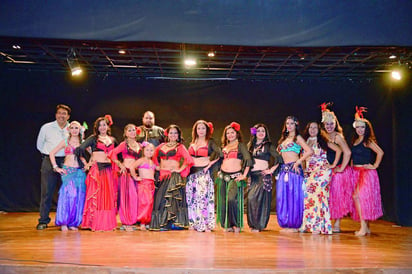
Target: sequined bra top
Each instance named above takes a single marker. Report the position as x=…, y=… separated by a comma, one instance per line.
x=68, y=149
x=200, y=152
x=147, y=166
x=291, y=147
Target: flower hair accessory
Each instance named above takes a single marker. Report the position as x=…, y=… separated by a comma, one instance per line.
x=359, y=119
x=253, y=130
x=235, y=126
x=165, y=133
x=360, y=111
x=211, y=129
x=324, y=106
x=109, y=119
x=83, y=127
x=145, y=143
x=138, y=130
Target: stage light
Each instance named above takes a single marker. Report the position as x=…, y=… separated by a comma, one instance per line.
x=211, y=54
x=396, y=75
x=122, y=51
x=393, y=56
x=16, y=47
x=190, y=62
x=73, y=63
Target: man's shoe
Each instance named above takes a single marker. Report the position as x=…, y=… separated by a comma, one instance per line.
x=41, y=226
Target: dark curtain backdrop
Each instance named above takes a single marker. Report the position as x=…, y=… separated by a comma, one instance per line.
x=29, y=100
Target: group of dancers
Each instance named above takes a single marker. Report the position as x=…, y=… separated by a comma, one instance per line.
x=154, y=182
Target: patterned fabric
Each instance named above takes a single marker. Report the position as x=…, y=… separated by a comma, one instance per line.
x=200, y=197
x=71, y=197
x=316, y=214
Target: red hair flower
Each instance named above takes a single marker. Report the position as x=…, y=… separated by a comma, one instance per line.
x=109, y=119
x=165, y=133
x=138, y=130
x=235, y=126
x=360, y=111
x=324, y=106
x=211, y=129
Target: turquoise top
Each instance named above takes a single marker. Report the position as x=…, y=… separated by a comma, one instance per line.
x=290, y=147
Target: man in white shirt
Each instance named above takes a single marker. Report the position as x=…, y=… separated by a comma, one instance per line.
x=50, y=135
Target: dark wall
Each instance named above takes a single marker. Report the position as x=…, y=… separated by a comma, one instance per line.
x=29, y=100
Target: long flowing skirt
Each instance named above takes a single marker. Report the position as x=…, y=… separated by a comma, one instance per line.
x=259, y=200
x=169, y=206
x=230, y=200
x=369, y=193
x=127, y=199
x=71, y=197
x=289, y=197
x=200, y=197
x=316, y=214
x=341, y=190
x=145, y=191
x=101, y=194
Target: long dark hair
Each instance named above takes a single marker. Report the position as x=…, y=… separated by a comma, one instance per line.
x=179, y=132
x=285, y=132
x=239, y=135
x=194, y=130
x=322, y=139
x=369, y=135
x=252, y=142
x=97, y=123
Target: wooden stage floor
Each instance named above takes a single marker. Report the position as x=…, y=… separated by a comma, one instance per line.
x=23, y=249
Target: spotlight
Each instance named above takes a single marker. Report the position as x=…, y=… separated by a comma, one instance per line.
x=211, y=54
x=190, y=62
x=393, y=56
x=396, y=75
x=16, y=47
x=73, y=63
x=122, y=51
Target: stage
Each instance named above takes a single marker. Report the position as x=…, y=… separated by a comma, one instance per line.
x=24, y=249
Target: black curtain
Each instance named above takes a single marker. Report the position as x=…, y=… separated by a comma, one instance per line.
x=29, y=100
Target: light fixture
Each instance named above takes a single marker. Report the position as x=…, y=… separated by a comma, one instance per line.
x=211, y=54
x=392, y=56
x=396, y=75
x=189, y=62
x=73, y=63
x=16, y=47
x=122, y=51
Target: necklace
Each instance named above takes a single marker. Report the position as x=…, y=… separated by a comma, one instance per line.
x=171, y=144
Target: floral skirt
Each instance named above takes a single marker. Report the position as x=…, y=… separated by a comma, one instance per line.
x=289, y=197
x=200, y=197
x=369, y=193
x=316, y=214
x=71, y=197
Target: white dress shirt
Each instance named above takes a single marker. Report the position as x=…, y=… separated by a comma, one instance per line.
x=50, y=136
